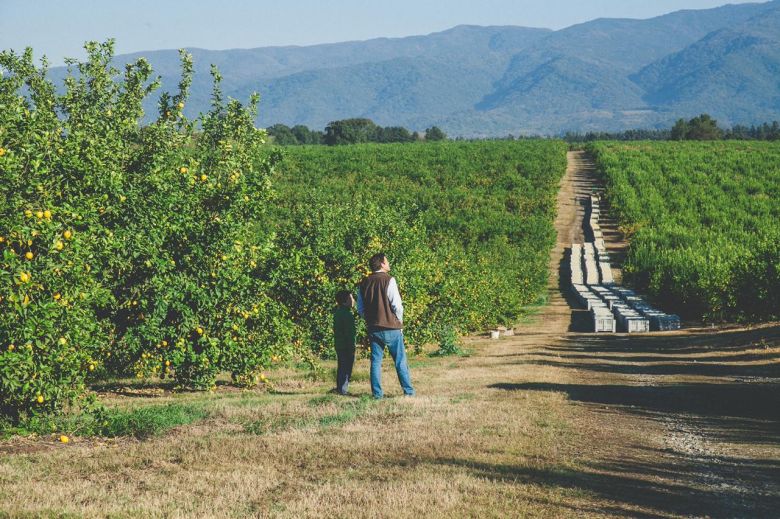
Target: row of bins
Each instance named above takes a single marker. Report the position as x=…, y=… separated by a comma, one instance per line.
x=612, y=307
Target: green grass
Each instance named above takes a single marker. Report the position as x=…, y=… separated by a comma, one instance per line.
x=464, y=397
x=149, y=421
x=271, y=424
x=349, y=409
x=140, y=422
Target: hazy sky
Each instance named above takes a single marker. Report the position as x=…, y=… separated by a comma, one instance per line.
x=58, y=28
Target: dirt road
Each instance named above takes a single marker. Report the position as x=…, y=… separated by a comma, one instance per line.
x=684, y=423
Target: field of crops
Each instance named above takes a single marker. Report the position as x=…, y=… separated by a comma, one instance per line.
x=185, y=249
x=468, y=227
x=703, y=224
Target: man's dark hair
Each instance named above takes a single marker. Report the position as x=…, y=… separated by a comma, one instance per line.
x=375, y=262
x=342, y=297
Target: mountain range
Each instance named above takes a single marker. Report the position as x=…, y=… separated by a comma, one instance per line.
x=472, y=81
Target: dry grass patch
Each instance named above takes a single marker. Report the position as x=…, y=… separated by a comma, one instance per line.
x=536, y=426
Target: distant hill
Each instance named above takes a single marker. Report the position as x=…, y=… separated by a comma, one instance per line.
x=733, y=73
x=603, y=75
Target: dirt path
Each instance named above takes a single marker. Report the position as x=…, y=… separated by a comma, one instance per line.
x=684, y=423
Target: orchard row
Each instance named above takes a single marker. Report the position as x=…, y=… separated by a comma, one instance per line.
x=702, y=219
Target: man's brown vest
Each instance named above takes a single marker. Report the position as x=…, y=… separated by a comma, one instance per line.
x=376, y=306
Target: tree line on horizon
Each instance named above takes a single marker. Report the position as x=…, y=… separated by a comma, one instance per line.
x=349, y=131
x=360, y=130
x=700, y=128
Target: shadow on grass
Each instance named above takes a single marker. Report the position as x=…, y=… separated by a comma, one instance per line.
x=678, y=343
x=135, y=388
x=628, y=484
x=748, y=390
x=755, y=401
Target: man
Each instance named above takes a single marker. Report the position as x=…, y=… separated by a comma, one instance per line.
x=379, y=303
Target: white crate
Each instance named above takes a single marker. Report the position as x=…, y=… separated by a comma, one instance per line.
x=591, y=274
x=591, y=302
x=606, y=277
x=634, y=324
x=603, y=321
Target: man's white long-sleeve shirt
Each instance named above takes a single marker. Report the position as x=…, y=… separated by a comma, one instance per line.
x=393, y=297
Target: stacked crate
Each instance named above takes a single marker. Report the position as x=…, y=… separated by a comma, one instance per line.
x=584, y=256
x=611, y=306
x=659, y=321
x=590, y=263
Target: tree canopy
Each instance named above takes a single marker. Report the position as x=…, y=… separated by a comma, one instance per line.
x=701, y=128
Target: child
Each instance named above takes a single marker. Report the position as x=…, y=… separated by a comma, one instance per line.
x=344, y=339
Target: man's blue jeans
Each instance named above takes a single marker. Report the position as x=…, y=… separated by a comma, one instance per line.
x=394, y=340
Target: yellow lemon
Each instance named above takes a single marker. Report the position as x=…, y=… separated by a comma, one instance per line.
x=167, y=362
x=28, y=213
x=199, y=330
x=63, y=341
x=64, y=439
x=180, y=105
x=24, y=277
x=59, y=245
x=39, y=214
x=2, y=152
x=164, y=343
x=204, y=177
x=11, y=347
x=92, y=367
x=47, y=214
x=56, y=296
x=183, y=170
x=39, y=399
x=68, y=235
x=29, y=255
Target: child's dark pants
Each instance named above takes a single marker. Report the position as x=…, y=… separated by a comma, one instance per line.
x=346, y=359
